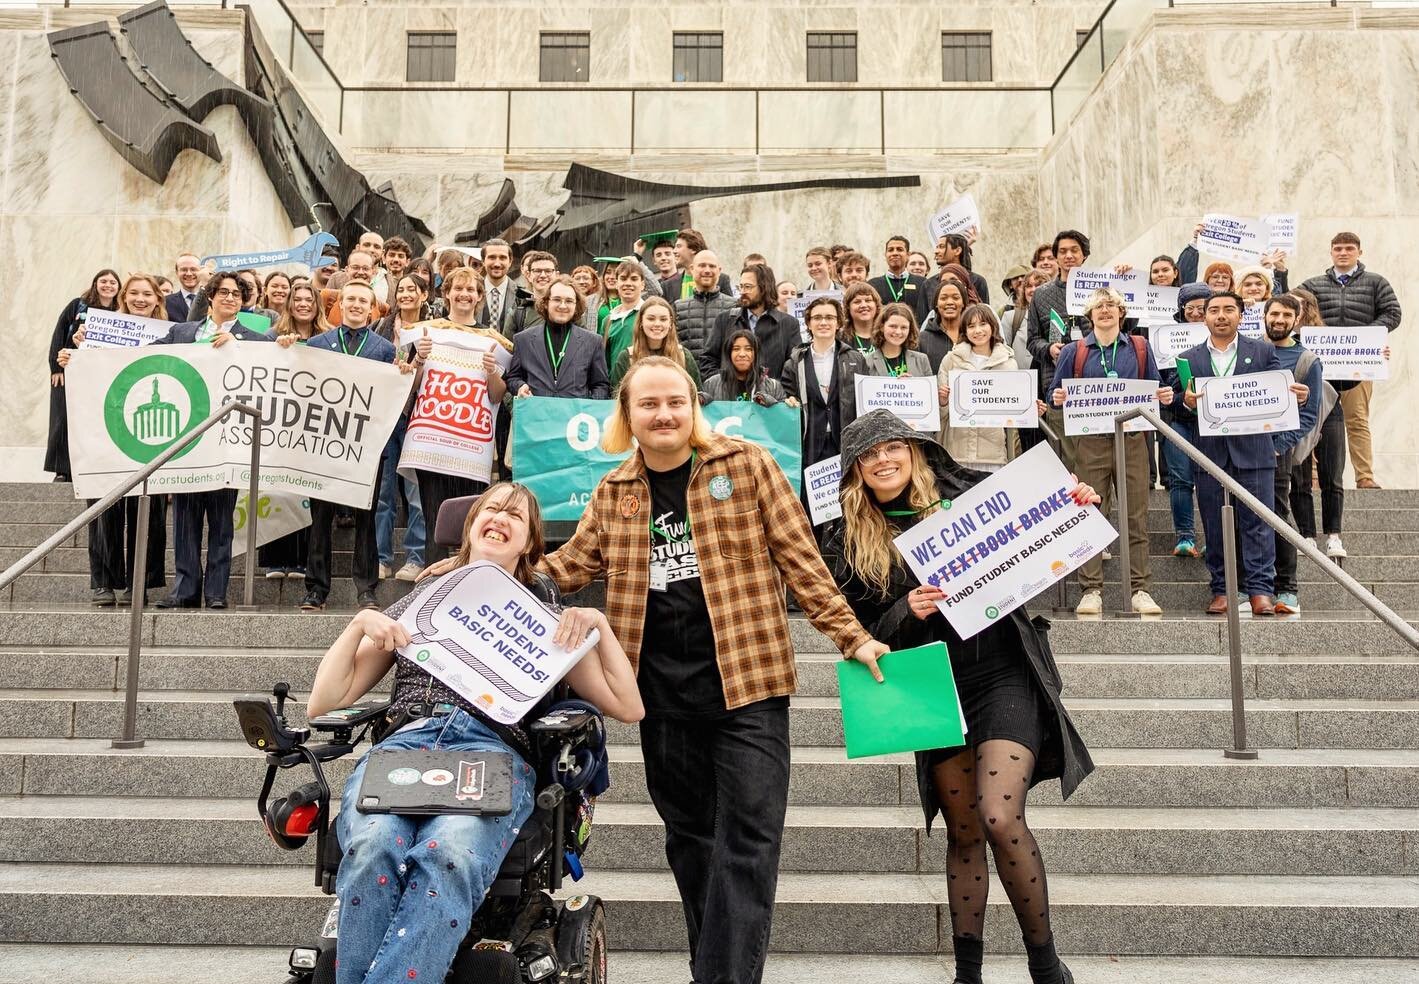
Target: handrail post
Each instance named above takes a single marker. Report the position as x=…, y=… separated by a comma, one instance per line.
x=1121, y=498
x=251, y=513
x=138, y=589
x=1239, y=749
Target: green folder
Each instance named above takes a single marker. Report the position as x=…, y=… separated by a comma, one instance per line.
x=256, y=322
x=914, y=710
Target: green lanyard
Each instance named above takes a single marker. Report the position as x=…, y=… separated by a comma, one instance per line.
x=858, y=341
x=556, y=357
x=1225, y=370
x=943, y=503
x=687, y=286
x=900, y=368
x=896, y=292
x=1110, y=373
x=344, y=332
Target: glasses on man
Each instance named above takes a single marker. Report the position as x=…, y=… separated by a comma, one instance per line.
x=823, y=319
x=889, y=450
x=227, y=292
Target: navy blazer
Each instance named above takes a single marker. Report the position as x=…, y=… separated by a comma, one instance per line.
x=177, y=306
x=1244, y=450
x=377, y=348
x=186, y=332
x=583, y=374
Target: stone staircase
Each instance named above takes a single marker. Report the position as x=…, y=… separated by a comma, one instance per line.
x=1170, y=863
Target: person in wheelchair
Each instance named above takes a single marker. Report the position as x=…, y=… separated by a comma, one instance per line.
x=408, y=886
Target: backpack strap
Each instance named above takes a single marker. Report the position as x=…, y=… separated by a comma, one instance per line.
x=1140, y=354
x=1081, y=352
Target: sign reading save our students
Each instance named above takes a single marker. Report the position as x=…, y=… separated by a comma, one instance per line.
x=325, y=418
x=994, y=398
x=556, y=445
x=1006, y=540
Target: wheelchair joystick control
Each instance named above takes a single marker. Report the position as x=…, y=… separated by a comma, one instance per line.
x=281, y=691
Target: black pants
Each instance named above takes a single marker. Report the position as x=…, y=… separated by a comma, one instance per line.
x=1285, y=553
x=721, y=787
x=436, y=488
x=112, y=540
x=288, y=552
x=189, y=511
x=1330, y=462
x=364, y=565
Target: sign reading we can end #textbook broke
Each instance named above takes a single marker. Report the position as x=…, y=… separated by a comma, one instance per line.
x=1349, y=353
x=1252, y=403
x=325, y=418
x=1090, y=405
x=911, y=399
x=994, y=398
x=1006, y=540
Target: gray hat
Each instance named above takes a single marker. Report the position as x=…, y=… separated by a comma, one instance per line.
x=1192, y=292
x=877, y=426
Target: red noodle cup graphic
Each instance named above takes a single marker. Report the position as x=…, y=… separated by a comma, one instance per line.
x=453, y=403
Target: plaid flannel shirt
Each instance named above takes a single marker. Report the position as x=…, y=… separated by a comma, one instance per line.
x=748, y=544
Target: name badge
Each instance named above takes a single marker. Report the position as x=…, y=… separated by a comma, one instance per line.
x=659, y=576
x=1076, y=335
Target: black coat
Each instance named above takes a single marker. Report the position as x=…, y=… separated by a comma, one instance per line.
x=848, y=365
x=913, y=294
x=1064, y=756
x=777, y=333
x=583, y=370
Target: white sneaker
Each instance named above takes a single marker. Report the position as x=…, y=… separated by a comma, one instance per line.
x=1312, y=541
x=1108, y=555
x=1144, y=604
x=408, y=572
x=1333, y=547
x=385, y=571
x=1091, y=604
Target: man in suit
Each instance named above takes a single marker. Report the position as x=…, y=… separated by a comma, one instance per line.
x=556, y=357
x=898, y=286
x=353, y=337
x=225, y=295
x=179, y=302
x=1248, y=458
x=499, y=301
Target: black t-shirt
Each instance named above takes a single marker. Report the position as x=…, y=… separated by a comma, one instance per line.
x=678, y=674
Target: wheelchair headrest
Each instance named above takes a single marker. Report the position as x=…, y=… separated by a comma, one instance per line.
x=448, y=525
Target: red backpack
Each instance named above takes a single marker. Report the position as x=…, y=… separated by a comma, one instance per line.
x=1140, y=352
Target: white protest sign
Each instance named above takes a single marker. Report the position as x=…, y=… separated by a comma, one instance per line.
x=798, y=307
x=1083, y=282
x=490, y=639
x=1160, y=305
x=821, y=482
x=277, y=514
x=1253, y=323
x=1349, y=353
x=994, y=398
x=1252, y=403
x=1171, y=341
x=1282, y=230
x=1091, y=404
x=912, y=399
x=452, y=422
x=958, y=217
x=1005, y=541
x=1231, y=238
x=109, y=329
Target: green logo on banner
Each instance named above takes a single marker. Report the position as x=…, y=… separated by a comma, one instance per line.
x=422, y=655
x=145, y=428
x=992, y=612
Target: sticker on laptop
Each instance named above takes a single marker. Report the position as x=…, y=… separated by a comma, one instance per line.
x=437, y=777
x=404, y=776
x=470, y=780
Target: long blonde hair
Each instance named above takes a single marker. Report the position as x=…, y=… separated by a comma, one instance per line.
x=867, y=537
x=159, y=311
x=286, y=323
x=670, y=348
x=618, y=438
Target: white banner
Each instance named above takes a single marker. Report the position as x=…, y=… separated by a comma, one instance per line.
x=994, y=398
x=1349, y=353
x=452, y=424
x=821, y=482
x=1252, y=403
x=959, y=217
x=1005, y=541
x=1171, y=341
x=326, y=418
x=109, y=329
x=490, y=639
x=277, y=514
x=912, y=399
x=1160, y=305
x=1228, y=237
x=1253, y=324
x=1083, y=282
x=1090, y=404
x=1282, y=228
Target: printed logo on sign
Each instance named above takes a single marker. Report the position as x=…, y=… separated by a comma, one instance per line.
x=1058, y=568
x=422, y=656
x=992, y=612
x=453, y=403
x=152, y=403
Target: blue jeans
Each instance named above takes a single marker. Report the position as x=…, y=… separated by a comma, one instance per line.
x=1180, y=485
x=408, y=886
x=387, y=505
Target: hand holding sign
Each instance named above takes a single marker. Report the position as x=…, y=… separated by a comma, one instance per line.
x=381, y=630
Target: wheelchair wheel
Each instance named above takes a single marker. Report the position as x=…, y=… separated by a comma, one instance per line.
x=581, y=939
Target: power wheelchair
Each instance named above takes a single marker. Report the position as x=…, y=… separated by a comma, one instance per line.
x=520, y=934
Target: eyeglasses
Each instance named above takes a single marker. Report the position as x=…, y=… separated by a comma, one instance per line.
x=823, y=318
x=889, y=450
x=226, y=292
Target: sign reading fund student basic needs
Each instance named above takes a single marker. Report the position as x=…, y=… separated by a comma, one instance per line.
x=960, y=216
x=556, y=445
x=490, y=639
x=822, y=481
x=911, y=399
x=1349, y=353
x=325, y=418
x=1254, y=403
x=109, y=329
x=452, y=422
x=1006, y=540
x=1090, y=405
x=1083, y=282
x=1229, y=237
x=994, y=398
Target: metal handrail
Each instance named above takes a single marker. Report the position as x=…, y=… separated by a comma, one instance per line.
x=1232, y=488
x=129, y=738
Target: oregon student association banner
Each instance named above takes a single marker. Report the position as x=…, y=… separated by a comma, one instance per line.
x=557, y=445
x=325, y=418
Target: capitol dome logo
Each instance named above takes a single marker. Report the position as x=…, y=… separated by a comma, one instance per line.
x=152, y=404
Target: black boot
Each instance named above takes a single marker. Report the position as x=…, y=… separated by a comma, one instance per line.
x=970, y=952
x=1045, y=965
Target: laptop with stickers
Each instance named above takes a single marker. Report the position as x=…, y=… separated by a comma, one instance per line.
x=437, y=783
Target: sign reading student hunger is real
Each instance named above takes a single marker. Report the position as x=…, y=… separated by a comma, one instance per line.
x=822, y=481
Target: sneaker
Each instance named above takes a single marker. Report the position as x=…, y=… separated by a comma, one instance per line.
x=408, y=572
x=102, y=598
x=295, y=574
x=1334, y=549
x=1091, y=604
x=1312, y=541
x=313, y=603
x=1288, y=603
x=275, y=573
x=124, y=597
x=1187, y=547
x=1144, y=604
x=367, y=600
x=1108, y=555
x=385, y=572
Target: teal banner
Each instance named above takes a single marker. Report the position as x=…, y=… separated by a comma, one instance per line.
x=556, y=445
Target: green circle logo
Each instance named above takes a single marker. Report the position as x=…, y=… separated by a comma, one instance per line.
x=154, y=426
x=422, y=655
x=992, y=612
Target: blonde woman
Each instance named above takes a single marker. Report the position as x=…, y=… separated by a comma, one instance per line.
x=655, y=335
x=983, y=448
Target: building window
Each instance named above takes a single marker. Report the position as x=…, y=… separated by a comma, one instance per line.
x=698, y=57
x=317, y=41
x=1081, y=36
x=965, y=56
x=430, y=56
x=566, y=56
x=832, y=56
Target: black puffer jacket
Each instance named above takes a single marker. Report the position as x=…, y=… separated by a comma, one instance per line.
x=1365, y=299
x=694, y=320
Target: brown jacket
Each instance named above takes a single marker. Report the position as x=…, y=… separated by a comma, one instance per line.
x=748, y=543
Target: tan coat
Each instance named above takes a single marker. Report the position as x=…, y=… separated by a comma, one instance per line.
x=974, y=445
